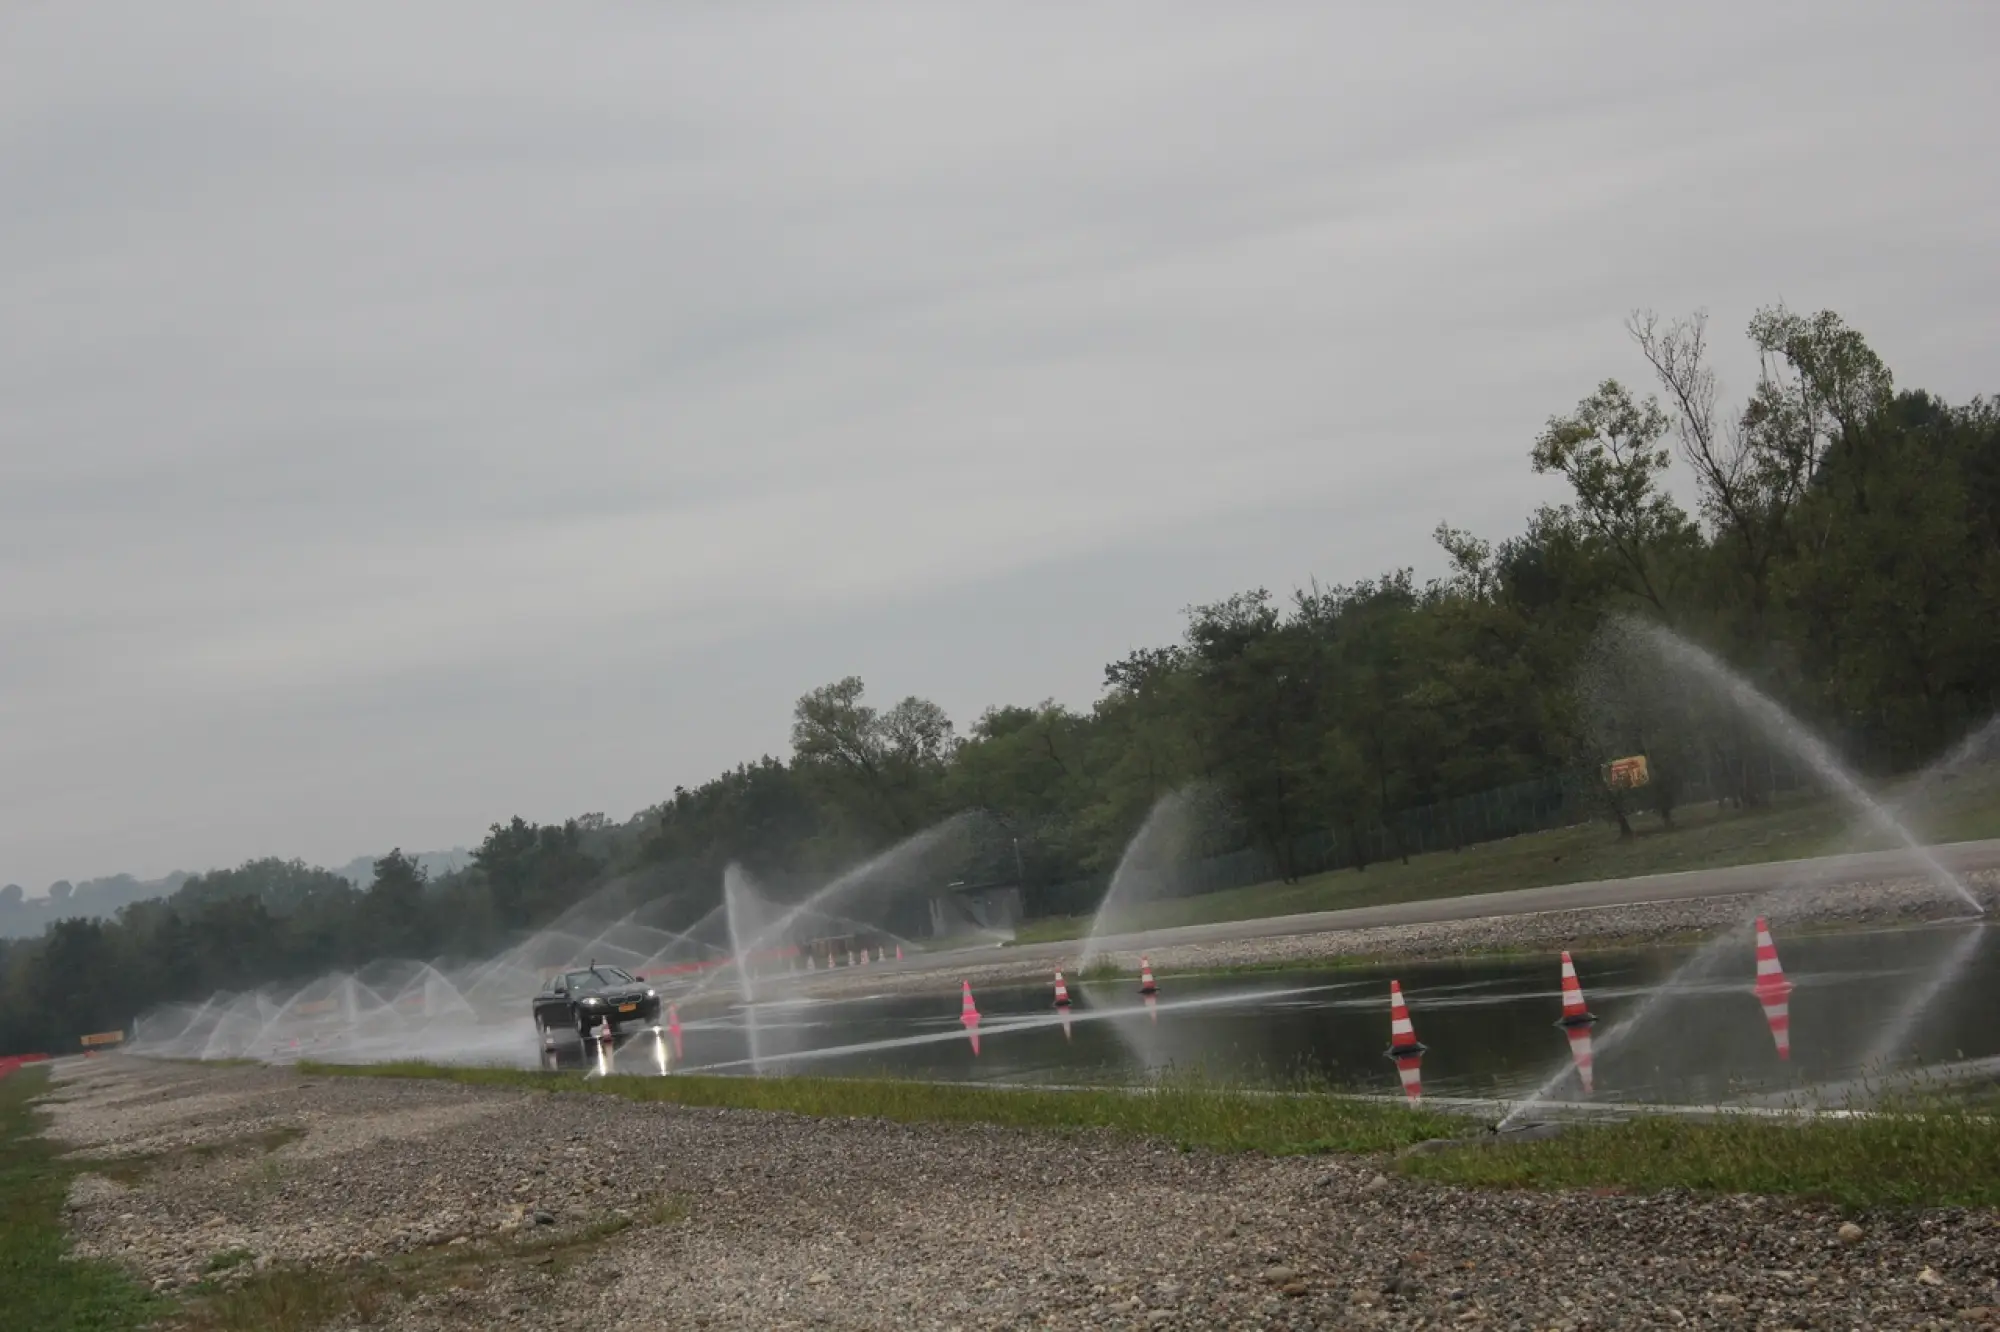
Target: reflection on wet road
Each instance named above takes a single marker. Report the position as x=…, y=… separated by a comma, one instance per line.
x=1488, y=1029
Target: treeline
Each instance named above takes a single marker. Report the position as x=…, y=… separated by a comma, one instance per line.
x=1842, y=552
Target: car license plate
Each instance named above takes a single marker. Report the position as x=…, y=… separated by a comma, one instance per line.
x=626, y=1008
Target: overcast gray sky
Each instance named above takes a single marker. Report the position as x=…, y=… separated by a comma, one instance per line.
x=413, y=414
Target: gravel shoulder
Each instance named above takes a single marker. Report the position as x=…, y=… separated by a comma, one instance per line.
x=744, y=1219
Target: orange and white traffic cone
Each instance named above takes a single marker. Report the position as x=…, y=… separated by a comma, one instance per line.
x=1579, y=1050
x=1062, y=992
x=1409, y=1069
x=899, y=952
x=1574, y=1012
x=1402, y=1036
x=1146, y=985
x=968, y=1013
x=1774, y=992
x=674, y=1027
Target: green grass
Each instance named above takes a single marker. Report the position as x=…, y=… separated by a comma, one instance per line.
x=1937, y=1155
x=1704, y=837
x=1186, y=1111
x=41, y=1288
x=1940, y=1156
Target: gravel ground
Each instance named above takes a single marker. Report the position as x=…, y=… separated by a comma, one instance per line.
x=778, y=1221
x=1848, y=906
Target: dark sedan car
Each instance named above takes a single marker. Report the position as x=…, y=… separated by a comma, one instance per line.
x=579, y=1001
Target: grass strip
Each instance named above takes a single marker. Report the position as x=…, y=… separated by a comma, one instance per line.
x=1184, y=1110
x=1930, y=1155
x=1934, y=1156
x=41, y=1287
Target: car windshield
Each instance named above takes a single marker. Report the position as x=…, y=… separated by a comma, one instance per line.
x=597, y=978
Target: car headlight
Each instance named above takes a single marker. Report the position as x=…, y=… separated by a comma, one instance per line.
x=593, y=1001
x=652, y=994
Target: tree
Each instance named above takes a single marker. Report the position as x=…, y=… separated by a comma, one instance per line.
x=1610, y=450
x=395, y=920
x=885, y=771
x=1257, y=691
x=1030, y=768
x=1892, y=582
x=533, y=871
x=1818, y=380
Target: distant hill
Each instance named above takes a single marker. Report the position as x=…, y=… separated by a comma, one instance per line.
x=22, y=916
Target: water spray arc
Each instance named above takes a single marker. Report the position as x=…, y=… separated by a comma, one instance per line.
x=1781, y=727
x=1165, y=824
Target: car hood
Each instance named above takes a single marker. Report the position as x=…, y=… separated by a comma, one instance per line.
x=623, y=995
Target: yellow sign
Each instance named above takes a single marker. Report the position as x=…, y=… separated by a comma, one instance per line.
x=1626, y=773
x=104, y=1038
